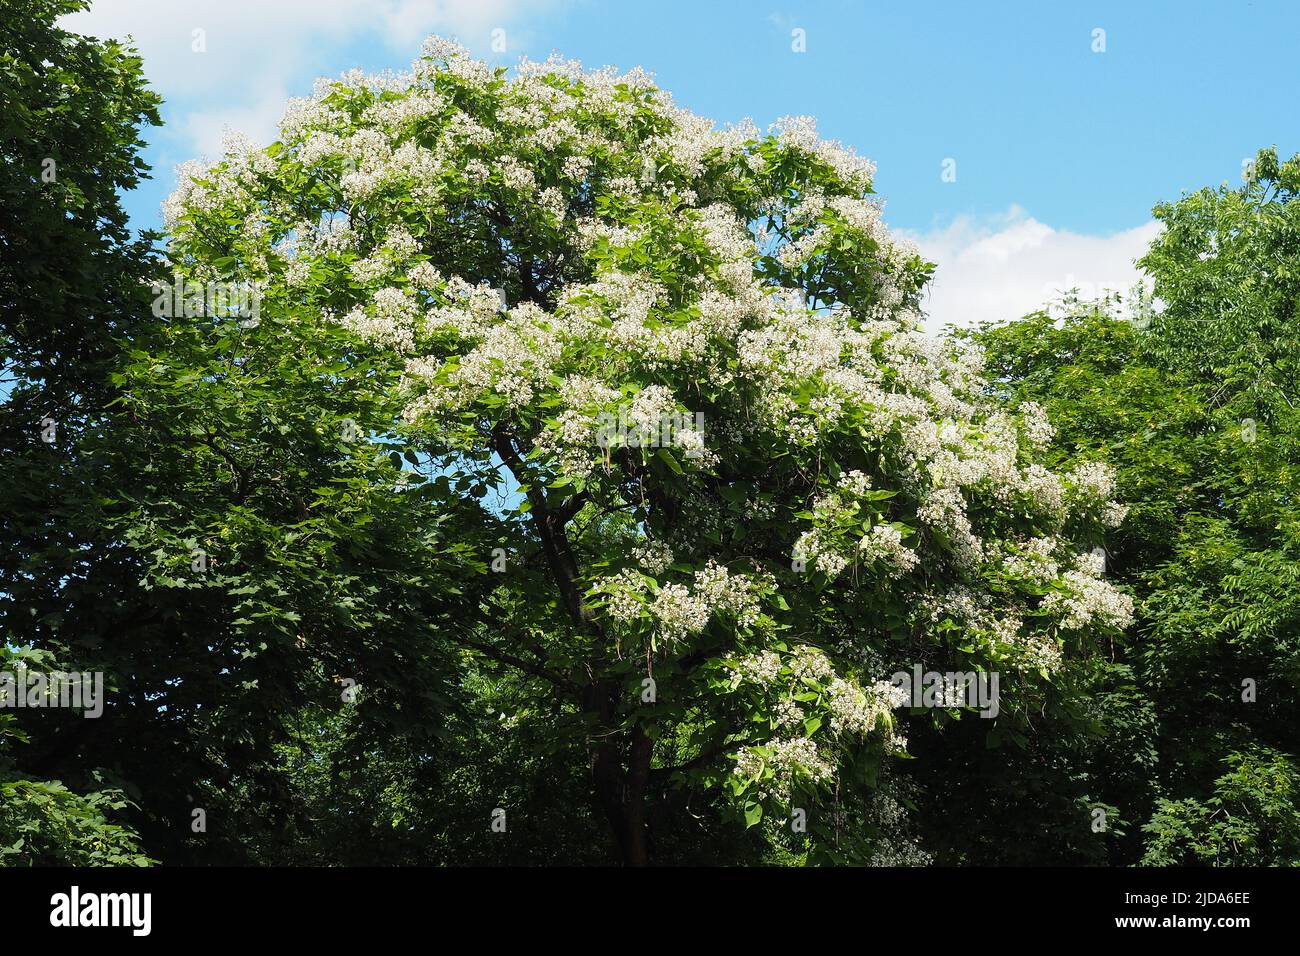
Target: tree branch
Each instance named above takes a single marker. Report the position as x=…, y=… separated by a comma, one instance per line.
x=505, y=657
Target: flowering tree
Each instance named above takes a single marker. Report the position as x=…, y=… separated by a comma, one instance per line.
x=740, y=486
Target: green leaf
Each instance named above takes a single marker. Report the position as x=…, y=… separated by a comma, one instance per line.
x=667, y=458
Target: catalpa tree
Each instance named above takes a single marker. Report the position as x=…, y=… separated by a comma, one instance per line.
x=740, y=486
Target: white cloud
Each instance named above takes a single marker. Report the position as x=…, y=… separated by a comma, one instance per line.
x=1010, y=265
x=259, y=52
x=258, y=120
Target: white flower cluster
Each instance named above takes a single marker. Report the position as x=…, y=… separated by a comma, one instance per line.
x=571, y=443
x=802, y=755
x=390, y=320
x=677, y=610
x=1092, y=486
x=778, y=765
x=828, y=549
x=787, y=714
x=1093, y=480
x=895, y=846
x=999, y=630
x=1041, y=652
x=568, y=444
x=1038, y=429
x=810, y=664
x=762, y=669
x=884, y=544
x=855, y=710
x=1034, y=560
x=800, y=132
x=625, y=596
x=1089, y=601
x=514, y=360
x=202, y=190
x=944, y=510
x=653, y=556
x=852, y=709
x=733, y=594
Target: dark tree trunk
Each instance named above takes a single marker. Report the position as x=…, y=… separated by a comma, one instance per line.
x=637, y=851
x=620, y=792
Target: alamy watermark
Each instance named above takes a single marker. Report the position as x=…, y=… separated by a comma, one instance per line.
x=188, y=299
x=68, y=690
x=74, y=909
x=670, y=430
x=976, y=689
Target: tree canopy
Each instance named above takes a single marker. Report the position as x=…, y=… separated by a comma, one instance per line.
x=735, y=487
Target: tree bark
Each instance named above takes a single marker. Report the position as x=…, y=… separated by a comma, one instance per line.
x=620, y=794
x=637, y=851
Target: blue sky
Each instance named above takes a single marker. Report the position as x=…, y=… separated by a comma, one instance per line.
x=1060, y=151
